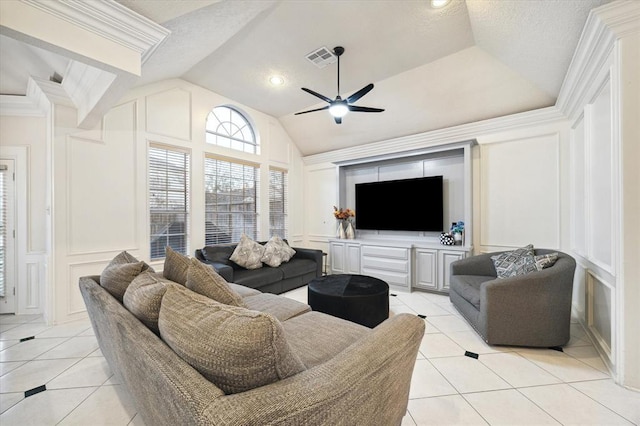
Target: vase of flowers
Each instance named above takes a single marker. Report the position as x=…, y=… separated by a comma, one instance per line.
x=345, y=228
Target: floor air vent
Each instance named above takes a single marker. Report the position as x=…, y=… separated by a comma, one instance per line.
x=322, y=57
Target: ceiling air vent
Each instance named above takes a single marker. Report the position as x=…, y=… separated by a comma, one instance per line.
x=322, y=57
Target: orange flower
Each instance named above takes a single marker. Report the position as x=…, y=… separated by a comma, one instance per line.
x=343, y=214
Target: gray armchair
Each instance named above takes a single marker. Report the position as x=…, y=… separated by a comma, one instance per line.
x=527, y=310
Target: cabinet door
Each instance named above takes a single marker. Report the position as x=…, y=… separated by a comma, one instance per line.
x=446, y=259
x=338, y=256
x=427, y=269
x=353, y=259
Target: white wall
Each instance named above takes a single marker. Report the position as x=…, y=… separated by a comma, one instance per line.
x=100, y=184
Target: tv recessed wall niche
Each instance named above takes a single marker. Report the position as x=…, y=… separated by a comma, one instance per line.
x=409, y=196
x=400, y=205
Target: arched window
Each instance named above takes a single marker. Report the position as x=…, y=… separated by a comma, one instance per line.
x=228, y=128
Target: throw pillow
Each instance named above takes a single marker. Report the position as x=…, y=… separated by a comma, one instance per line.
x=204, y=280
x=235, y=348
x=248, y=253
x=276, y=252
x=119, y=273
x=143, y=298
x=176, y=266
x=516, y=262
x=545, y=260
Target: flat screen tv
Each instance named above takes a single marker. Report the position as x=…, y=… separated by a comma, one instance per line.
x=400, y=205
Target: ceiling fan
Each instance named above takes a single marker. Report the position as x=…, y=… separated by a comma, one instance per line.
x=339, y=107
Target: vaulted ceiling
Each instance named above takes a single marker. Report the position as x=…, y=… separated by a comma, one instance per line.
x=432, y=68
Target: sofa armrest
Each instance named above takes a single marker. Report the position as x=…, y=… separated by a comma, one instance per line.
x=474, y=265
x=311, y=254
x=367, y=383
x=224, y=270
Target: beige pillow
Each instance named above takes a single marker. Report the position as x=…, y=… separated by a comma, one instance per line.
x=176, y=266
x=143, y=298
x=204, y=280
x=276, y=252
x=119, y=273
x=235, y=348
x=248, y=253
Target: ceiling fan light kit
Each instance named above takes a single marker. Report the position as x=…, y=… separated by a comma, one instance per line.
x=339, y=107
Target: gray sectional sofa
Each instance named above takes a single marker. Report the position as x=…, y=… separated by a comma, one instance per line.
x=527, y=310
x=345, y=374
x=305, y=265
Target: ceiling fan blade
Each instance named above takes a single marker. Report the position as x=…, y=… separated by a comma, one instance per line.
x=360, y=93
x=318, y=95
x=338, y=120
x=312, y=110
x=355, y=108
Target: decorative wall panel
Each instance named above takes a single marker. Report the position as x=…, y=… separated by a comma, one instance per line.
x=169, y=114
x=520, y=192
x=101, y=180
x=578, y=188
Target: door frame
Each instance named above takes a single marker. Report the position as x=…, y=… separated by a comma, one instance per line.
x=9, y=304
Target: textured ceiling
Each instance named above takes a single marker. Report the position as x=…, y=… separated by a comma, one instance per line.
x=432, y=68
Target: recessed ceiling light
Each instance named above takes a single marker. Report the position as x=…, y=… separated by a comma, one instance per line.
x=437, y=4
x=276, y=80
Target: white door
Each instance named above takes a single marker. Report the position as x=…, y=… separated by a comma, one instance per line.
x=7, y=238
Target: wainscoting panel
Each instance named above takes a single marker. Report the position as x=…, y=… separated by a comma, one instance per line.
x=169, y=114
x=520, y=192
x=76, y=270
x=101, y=178
x=278, y=145
x=601, y=314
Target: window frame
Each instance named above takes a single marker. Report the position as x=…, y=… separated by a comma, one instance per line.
x=231, y=128
x=282, y=213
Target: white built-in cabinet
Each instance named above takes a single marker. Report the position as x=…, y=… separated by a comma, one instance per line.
x=402, y=264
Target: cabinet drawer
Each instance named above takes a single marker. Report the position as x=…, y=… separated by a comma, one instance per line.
x=385, y=252
x=385, y=264
x=391, y=278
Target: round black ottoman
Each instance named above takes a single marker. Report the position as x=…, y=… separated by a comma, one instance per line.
x=357, y=298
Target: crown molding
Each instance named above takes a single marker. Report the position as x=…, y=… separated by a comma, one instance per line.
x=41, y=95
x=434, y=138
x=604, y=26
x=109, y=20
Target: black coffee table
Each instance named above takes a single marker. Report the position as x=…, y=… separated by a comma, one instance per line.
x=358, y=298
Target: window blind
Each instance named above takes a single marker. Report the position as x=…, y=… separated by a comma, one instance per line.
x=231, y=200
x=278, y=203
x=168, y=201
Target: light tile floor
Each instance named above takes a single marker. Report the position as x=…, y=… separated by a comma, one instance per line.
x=510, y=386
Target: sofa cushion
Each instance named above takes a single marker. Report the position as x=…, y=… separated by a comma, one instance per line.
x=248, y=253
x=468, y=287
x=516, y=262
x=316, y=337
x=280, y=307
x=176, y=266
x=257, y=278
x=143, y=297
x=219, y=253
x=544, y=261
x=243, y=291
x=206, y=281
x=297, y=267
x=119, y=273
x=235, y=348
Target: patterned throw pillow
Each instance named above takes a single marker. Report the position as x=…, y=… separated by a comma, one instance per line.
x=545, y=260
x=248, y=253
x=176, y=266
x=517, y=262
x=235, y=348
x=143, y=298
x=204, y=280
x=276, y=252
x=119, y=273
